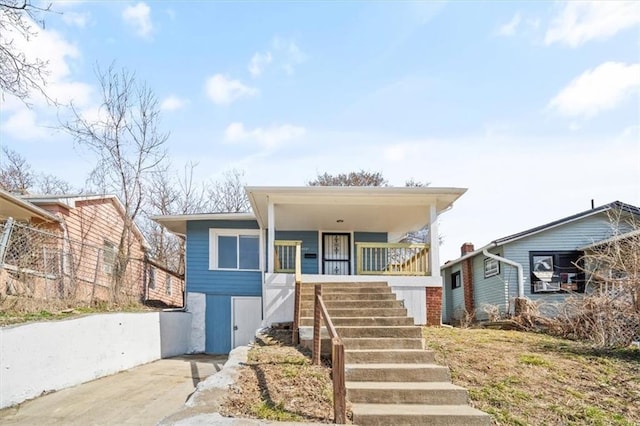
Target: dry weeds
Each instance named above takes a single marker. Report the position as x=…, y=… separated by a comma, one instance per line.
x=522, y=378
x=279, y=383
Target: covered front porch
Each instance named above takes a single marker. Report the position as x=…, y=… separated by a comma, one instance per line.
x=350, y=234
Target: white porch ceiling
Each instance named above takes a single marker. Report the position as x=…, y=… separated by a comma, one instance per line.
x=372, y=209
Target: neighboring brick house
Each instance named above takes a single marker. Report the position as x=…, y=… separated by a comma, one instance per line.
x=89, y=229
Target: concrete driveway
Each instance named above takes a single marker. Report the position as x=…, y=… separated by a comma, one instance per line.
x=140, y=396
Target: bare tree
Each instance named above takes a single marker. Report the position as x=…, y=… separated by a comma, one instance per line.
x=412, y=183
x=19, y=74
x=51, y=184
x=172, y=193
x=125, y=137
x=228, y=195
x=360, y=178
x=16, y=175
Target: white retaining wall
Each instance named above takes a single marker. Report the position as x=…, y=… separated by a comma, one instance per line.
x=46, y=356
x=278, y=293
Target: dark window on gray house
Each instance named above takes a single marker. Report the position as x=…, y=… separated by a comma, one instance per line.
x=556, y=271
x=456, y=280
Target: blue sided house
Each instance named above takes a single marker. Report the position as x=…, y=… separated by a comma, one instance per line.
x=240, y=267
x=544, y=263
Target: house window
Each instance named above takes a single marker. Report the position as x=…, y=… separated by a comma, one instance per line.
x=491, y=267
x=108, y=256
x=234, y=249
x=556, y=271
x=168, y=285
x=152, y=277
x=456, y=280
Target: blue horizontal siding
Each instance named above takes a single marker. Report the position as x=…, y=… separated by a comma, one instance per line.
x=202, y=280
x=309, y=246
x=218, y=325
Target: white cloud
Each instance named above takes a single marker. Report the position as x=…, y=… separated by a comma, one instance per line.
x=510, y=27
x=139, y=17
x=582, y=21
x=289, y=53
x=23, y=125
x=57, y=52
x=173, y=103
x=258, y=63
x=77, y=19
x=270, y=137
x=600, y=89
x=223, y=90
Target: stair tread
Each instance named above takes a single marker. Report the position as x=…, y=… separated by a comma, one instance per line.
x=415, y=409
x=403, y=385
x=394, y=366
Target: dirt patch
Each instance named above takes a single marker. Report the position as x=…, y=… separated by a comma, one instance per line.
x=522, y=378
x=279, y=383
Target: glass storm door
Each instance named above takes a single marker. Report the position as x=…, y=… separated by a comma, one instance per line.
x=336, y=254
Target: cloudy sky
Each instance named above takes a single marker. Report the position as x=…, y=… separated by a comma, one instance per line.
x=533, y=106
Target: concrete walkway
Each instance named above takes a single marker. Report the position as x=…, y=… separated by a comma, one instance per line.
x=141, y=396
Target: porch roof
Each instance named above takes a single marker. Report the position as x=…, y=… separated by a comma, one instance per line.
x=17, y=208
x=177, y=224
x=333, y=208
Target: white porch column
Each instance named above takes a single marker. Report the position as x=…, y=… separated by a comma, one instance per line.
x=434, y=242
x=271, y=235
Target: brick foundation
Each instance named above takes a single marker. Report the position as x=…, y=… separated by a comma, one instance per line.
x=434, y=305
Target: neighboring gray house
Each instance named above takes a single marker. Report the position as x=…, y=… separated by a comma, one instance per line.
x=539, y=263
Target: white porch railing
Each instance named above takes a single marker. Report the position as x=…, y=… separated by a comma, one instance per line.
x=392, y=259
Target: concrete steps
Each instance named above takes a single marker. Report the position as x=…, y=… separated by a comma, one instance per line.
x=359, y=312
x=395, y=372
x=385, y=356
x=390, y=378
x=367, y=321
x=418, y=414
x=437, y=393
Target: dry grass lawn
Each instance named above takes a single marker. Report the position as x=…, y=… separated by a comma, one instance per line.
x=533, y=379
x=518, y=378
x=280, y=384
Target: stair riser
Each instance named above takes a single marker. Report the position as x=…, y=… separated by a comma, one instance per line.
x=361, y=304
x=352, y=343
x=413, y=357
x=347, y=289
x=392, y=332
x=433, y=374
x=350, y=296
x=421, y=420
x=364, y=321
x=339, y=285
x=377, y=312
x=408, y=396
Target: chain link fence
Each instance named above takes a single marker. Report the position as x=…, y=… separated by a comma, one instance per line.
x=45, y=265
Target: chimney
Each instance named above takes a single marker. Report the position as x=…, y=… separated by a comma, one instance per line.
x=466, y=248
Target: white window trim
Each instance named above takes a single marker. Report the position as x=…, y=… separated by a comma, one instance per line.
x=214, y=233
x=488, y=261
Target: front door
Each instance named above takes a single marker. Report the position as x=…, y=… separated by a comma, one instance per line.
x=336, y=254
x=246, y=318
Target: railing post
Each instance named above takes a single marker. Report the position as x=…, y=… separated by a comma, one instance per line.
x=296, y=313
x=339, y=388
x=317, y=320
x=298, y=262
x=4, y=240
